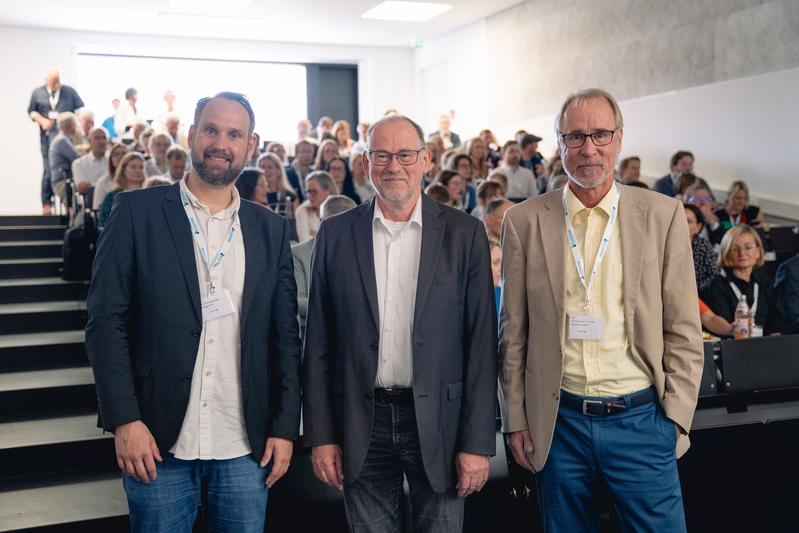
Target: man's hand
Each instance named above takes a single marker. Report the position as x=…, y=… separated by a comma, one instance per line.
x=327, y=465
x=136, y=451
x=521, y=444
x=707, y=212
x=472, y=472
x=279, y=452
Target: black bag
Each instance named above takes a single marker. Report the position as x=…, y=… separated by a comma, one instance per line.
x=80, y=242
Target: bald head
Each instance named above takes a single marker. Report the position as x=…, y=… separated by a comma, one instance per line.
x=53, y=79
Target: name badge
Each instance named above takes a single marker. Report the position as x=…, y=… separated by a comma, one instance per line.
x=52, y=115
x=217, y=305
x=585, y=327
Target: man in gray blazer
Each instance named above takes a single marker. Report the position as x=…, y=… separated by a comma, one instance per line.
x=400, y=353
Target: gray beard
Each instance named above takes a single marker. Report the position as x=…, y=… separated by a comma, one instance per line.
x=215, y=180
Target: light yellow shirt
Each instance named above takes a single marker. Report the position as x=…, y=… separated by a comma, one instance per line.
x=606, y=367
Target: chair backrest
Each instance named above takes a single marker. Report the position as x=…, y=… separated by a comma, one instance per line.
x=763, y=363
x=708, y=386
x=785, y=239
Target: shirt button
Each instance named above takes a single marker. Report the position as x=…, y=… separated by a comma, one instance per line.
x=205, y=404
x=207, y=372
x=211, y=340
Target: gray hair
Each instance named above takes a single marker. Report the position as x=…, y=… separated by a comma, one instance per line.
x=588, y=94
x=65, y=119
x=392, y=118
x=335, y=204
x=324, y=180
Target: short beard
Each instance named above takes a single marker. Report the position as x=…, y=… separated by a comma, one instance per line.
x=215, y=181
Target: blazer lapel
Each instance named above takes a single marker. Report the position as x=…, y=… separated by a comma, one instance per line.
x=632, y=226
x=432, y=238
x=364, y=252
x=182, y=239
x=553, y=232
x=253, y=252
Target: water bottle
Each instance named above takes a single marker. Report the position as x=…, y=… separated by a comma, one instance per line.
x=743, y=319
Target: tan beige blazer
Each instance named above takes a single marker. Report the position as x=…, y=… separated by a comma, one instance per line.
x=660, y=308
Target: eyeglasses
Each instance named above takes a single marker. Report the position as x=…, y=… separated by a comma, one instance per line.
x=599, y=138
x=404, y=157
x=745, y=248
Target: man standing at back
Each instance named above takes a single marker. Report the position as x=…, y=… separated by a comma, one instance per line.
x=193, y=337
x=601, y=346
x=399, y=367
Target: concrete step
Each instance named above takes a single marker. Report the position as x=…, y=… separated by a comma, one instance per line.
x=34, y=317
x=31, y=233
x=36, y=351
x=31, y=249
x=46, y=267
x=19, y=290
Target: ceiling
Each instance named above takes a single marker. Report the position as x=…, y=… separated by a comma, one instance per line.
x=298, y=21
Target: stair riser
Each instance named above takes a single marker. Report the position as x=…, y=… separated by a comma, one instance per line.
x=30, y=220
x=51, y=459
x=38, y=357
x=31, y=251
x=32, y=270
x=43, y=293
x=41, y=322
x=15, y=404
x=31, y=234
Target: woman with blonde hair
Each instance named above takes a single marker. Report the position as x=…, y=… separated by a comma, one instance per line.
x=328, y=149
x=129, y=176
x=477, y=150
x=280, y=196
x=158, y=146
x=737, y=209
x=361, y=182
x=341, y=133
x=741, y=254
x=106, y=183
x=318, y=186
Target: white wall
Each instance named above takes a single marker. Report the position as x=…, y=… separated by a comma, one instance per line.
x=385, y=78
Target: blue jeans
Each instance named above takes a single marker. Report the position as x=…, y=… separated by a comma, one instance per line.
x=235, y=492
x=373, y=501
x=633, y=451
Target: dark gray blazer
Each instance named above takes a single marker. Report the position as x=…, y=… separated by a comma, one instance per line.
x=145, y=319
x=454, y=340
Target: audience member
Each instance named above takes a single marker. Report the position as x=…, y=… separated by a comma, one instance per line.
x=339, y=171
x=499, y=177
x=156, y=181
x=328, y=149
x=323, y=127
x=143, y=142
x=280, y=195
x=301, y=252
x=302, y=165
x=477, y=151
x=785, y=316
x=741, y=253
x=496, y=271
x=360, y=145
x=85, y=125
x=486, y=191
x=456, y=187
x=127, y=114
x=630, y=169
x=639, y=184
x=129, y=176
x=699, y=195
x=158, y=145
x=737, y=209
x=108, y=123
x=279, y=150
x=683, y=183
x=681, y=161
x=713, y=322
x=172, y=128
x=106, y=183
x=494, y=215
x=494, y=155
x=557, y=181
x=438, y=192
x=462, y=164
x=521, y=182
x=251, y=185
x=131, y=137
x=704, y=256
x=532, y=160
x=342, y=136
x=303, y=133
x=46, y=103
x=62, y=154
x=449, y=138
x=176, y=162
x=89, y=168
x=363, y=186
x=318, y=186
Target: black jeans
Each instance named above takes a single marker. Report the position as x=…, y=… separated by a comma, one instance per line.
x=373, y=500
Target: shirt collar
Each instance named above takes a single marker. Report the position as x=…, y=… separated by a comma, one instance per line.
x=575, y=205
x=229, y=212
x=416, y=215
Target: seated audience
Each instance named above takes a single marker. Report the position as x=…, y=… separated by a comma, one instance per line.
x=477, y=151
x=279, y=150
x=496, y=271
x=462, y=164
x=521, y=182
x=499, y=177
x=156, y=181
x=438, y=192
x=280, y=195
x=741, y=252
x=176, y=162
x=129, y=176
x=494, y=150
x=318, y=186
x=251, y=185
x=302, y=252
x=106, y=183
x=434, y=145
x=360, y=144
x=532, y=159
x=682, y=161
x=686, y=180
x=301, y=166
x=62, y=153
x=699, y=195
x=342, y=136
x=323, y=127
x=785, y=317
x=493, y=217
x=328, y=149
x=630, y=169
x=172, y=128
x=361, y=182
x=303, y=132
x=143, y=142
x=486, y=191
x=89, y=168
x=339, y=171
x=714, y=323
x=737, y=209
x=704, y=256
x=456, y=187
x=158, y=146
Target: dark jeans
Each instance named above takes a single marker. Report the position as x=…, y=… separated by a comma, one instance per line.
x=373, y=500
x=47, y=190
x=633, y=451
x=235, y=496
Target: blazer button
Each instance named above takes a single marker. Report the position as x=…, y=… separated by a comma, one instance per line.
x=186, y=379
x=368, y=395
x=374, y=346
x=195, y=333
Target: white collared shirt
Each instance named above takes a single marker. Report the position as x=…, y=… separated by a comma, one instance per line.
x=88, y=168
x=521, y=182
x=213, y=427
x=397, y=250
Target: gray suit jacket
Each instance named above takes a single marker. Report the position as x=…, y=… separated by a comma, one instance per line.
x=302, y=274
x=454, y=330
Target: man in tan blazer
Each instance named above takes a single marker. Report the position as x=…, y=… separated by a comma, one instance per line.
x=600, y=340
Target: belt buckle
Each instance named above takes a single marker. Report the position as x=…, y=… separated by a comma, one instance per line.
x=585, y=406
